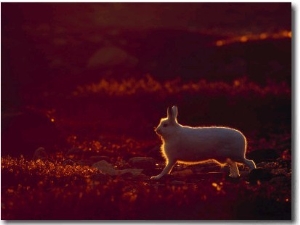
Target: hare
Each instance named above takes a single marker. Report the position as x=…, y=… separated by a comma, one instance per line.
x=189, y=145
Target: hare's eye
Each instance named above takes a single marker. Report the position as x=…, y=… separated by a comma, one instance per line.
x=165, y=125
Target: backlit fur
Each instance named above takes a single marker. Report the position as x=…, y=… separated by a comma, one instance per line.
x=190, y=145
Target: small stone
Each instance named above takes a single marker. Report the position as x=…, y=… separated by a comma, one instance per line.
x=105, y=168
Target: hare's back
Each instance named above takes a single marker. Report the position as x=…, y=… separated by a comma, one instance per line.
x=212, y=142
x=214, y=135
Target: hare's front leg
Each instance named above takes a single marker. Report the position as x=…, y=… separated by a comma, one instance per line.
x=165, y=171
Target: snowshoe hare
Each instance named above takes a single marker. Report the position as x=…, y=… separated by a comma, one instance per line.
x=190, y=145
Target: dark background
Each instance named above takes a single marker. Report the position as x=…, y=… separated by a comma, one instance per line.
x=45, y=42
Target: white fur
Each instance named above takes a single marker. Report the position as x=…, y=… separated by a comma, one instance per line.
x=190, y=145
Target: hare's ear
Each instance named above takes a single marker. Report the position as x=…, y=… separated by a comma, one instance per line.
x=172, y=113
x=175, y=112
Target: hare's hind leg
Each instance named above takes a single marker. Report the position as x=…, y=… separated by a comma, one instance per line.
x=234, y=171
x=165, y=171
x=250, y=163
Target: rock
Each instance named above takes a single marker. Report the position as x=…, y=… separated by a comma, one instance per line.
x=108, y=168
x=110, y=56
x=134, y=172
x=259, y=174
x=142, y=162
x=262, y=155
x=40, y=153
x=105, y=168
